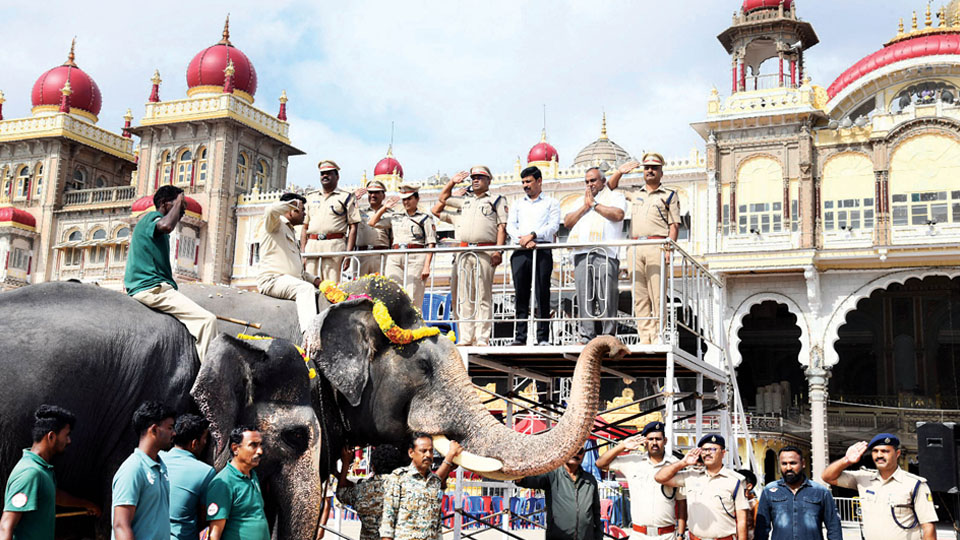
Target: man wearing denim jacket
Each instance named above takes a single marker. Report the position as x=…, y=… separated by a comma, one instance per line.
x=794, y=508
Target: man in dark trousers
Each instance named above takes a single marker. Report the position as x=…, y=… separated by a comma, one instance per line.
x=573, y=501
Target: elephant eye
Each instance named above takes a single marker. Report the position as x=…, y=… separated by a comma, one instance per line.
x=297, y=438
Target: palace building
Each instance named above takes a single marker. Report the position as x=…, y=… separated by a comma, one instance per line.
x=829, y=210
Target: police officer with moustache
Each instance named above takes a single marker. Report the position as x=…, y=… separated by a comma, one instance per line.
x=655, y=215
x=372, y=238
x=412, y=230
x=896, y=505
x=716, y=504
x=482, y=221
x=659, y=512
x=330, y=224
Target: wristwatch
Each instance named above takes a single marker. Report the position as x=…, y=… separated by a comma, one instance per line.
x=594, y=205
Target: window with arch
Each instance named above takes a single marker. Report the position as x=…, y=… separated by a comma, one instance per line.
x=101, y=182
x=166, y=166
x=201, y=166
x=847, y=192
x=260, y=180
x=23, y=183
x=72, y=256
x=120, y=248
x=38, y=179
x=98, y=253
x=78, y=180
x=923, y=186
x=925, y=93
x=184, y=167
x=759, y=194
x=242, y=170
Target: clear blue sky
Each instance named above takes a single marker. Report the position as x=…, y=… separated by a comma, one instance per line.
x=464, y=81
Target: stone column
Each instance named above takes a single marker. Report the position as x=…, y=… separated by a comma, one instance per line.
x=817, y=378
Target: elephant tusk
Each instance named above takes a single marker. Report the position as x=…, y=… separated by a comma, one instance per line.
x=468, y=460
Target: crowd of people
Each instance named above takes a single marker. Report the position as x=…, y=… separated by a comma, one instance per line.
x=164, y=490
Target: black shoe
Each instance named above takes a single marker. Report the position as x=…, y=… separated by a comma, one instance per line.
x=517, y=343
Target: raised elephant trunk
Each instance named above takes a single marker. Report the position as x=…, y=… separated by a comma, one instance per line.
x=452, y=408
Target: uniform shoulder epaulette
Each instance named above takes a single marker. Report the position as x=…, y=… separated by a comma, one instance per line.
x=672, y=193
x=912, y=476
x=497, y=201
x=424, y=220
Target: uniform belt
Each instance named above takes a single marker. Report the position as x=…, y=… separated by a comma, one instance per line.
x=331, y=236
x=477, y=244
x=368, y=248
x=660, y=530
x=649, y=237
x=728, y=537
x=408, y=246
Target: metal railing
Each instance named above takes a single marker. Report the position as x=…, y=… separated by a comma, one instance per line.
x=99, y=195
x=690, y=293
x=849, y=509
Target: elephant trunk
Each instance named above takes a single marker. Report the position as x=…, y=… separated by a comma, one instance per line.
x=297, y=493
x=453, y=409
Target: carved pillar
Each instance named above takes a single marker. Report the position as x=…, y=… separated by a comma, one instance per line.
x=807, y=188
x=793, y=73
x=781, y=70
x=881, y=205
x=733, y=87
x=714, y=193
x=743, y=76
x=817, y=378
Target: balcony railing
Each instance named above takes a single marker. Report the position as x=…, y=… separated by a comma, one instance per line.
x=98, y=196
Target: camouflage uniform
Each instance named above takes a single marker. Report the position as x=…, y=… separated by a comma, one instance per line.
x=412, y=505
x=366, y=498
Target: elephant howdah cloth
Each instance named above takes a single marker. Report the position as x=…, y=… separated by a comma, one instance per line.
x=893, y=509
x=144, y=484
x=189, y=478
x=328, y=214
x=412, y=505
x=652, y=505
x=32, y=492
x=712, y=501
x=201, y=324
x=366, y=498
x=148, y=262
x=573, y=506
x=236, y=497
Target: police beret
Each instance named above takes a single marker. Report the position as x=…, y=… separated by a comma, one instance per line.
x=712, y=438
x=884, y=439
x=651, y=427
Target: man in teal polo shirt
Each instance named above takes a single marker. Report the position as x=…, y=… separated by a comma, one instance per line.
x=234, y=502
x=29, y=509
x=148, y=276
x=141, y=487
x=189, y=477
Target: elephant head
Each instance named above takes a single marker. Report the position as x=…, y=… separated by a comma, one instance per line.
x=265, y=383
x=389, y=390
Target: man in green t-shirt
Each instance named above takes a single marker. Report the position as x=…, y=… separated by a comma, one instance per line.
x=234, y=502
x=149, y=277
x=189, y=477
x=31, y=498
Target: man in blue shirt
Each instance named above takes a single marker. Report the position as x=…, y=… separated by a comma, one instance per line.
x=141, y=487
x=534, y=219
x=189, y=477
x=794, y=508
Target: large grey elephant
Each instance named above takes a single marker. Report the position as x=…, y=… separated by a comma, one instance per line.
x=100, y=354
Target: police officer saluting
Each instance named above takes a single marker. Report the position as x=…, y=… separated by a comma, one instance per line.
x=482, y=221
x=368, y=237
x=331, y=223
x=896, y=505
x=716, y=505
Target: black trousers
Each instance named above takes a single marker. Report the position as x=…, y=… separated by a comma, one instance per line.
x=521, y=262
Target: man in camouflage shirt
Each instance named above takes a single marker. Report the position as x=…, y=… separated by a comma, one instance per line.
x=413, y=495
x=366, y=496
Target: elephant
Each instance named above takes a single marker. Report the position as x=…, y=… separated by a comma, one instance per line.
x=387, y=391
x=100, y=354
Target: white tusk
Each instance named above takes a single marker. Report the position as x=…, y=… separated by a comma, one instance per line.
x=468, y=460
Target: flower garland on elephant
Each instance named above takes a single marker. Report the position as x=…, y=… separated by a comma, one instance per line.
x=396, y=334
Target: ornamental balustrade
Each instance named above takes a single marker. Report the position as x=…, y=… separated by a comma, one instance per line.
x=99, y=196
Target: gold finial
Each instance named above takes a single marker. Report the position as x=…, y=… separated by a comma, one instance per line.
x=283, y=96
x=390, y=150
x=603, y=127
x=156, y=77
x=226, y=32
x=70, y=57
x=2, y=100
x=129, y=116
x=928, y=22
x=900, y=28
x=543, y=135
x=66, y=90
x=913, y=26
x=942, y=16
x=229, y=70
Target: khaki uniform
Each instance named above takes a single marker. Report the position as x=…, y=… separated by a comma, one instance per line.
x=712, y=501
x=372, y=238
x=281, y=266
x=477, y=223
x=419, y=230
x=652, y=505
x=890, y=509
x=651, y=214
x=329, y=215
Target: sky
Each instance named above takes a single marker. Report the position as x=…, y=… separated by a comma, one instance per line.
x=463, y=82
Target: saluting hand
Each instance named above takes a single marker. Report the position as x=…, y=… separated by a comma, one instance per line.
x=635, y=442
x=460, y=192
x=459, y=177
x=628, y=166
x=391, y=201
x=856, y=451
x=360, y=192
x=692, y=456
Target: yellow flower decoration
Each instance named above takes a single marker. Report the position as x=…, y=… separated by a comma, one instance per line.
x=396, y=334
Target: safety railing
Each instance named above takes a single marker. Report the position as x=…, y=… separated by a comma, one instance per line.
x=582, y=278
x=849, y=509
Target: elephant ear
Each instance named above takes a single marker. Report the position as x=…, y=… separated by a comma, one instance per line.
x=342, y=346
x=224, y=385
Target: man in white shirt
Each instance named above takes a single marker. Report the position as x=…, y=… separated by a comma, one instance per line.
x=597, y=217
x=534, y=219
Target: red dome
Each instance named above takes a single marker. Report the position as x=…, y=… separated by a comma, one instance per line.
x=9, y=214
x=206, y=68
x=145, y=204
x=753, y=5
x=938, y=44
x=387, y=166
x=542, y=151
x=86, y=93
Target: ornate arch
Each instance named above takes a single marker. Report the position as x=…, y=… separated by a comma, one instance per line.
x=921, y=126
x=751, y=157
x=736, y=323
x=839, y=316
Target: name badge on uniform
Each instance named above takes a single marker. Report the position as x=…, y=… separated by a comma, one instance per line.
x=870, y=491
